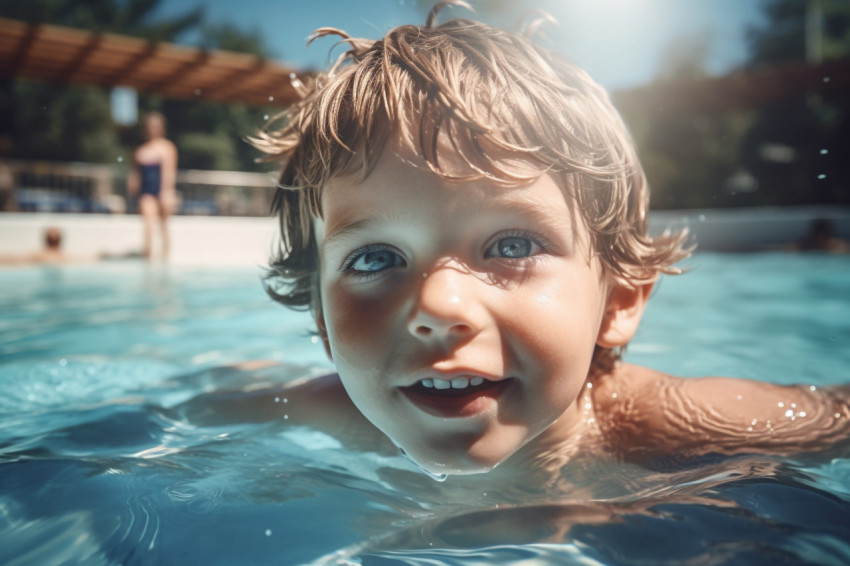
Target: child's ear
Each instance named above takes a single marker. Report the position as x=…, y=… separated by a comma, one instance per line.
x=622, y=315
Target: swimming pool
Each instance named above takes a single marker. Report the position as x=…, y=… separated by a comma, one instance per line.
x=107, y=373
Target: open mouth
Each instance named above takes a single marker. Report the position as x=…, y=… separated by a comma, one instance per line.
x=458, y=397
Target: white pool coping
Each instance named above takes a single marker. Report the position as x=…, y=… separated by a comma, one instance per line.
x=196, y=240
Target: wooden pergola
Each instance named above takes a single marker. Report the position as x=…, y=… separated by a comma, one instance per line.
x=72, y=56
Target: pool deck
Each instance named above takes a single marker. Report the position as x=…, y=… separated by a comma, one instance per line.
x=195, y=240
x=223, y=241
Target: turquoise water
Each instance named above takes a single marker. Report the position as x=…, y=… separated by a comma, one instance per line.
x=108, y=372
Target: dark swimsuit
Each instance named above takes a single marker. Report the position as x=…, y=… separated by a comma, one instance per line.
x=151, y=179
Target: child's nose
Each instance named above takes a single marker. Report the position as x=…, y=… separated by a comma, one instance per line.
x=446, y=305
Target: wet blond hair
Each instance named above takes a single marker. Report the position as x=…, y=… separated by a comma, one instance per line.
x=510, y=109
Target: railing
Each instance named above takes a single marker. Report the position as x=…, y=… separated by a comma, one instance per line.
x=39, y=186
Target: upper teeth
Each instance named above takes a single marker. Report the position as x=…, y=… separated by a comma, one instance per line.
x=456, y=383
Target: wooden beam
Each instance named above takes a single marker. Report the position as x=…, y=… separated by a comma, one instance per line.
x=80, y=59
x=131, y=66
x=182, y=72
x=68, y=55
x=23, y=49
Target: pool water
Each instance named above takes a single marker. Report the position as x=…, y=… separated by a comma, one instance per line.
x=106, y=372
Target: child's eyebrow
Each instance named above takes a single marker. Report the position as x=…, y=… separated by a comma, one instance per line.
x=343, y=230
x=537, y=213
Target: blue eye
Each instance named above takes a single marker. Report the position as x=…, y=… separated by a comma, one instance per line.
x=373, y=260
x=513, y=247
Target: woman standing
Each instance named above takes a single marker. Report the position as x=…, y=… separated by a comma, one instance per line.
x=153, y=179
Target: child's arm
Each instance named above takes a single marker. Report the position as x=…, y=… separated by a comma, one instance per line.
x=662, y=415
x=317, y=402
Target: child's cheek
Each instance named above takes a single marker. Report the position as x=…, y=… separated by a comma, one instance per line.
x=359, y=325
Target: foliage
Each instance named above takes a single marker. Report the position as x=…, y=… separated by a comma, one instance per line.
x=791, y=151
x=133, y=17
x=796, y=148
x=784, y=36
x=71, y=123
x=689, y=158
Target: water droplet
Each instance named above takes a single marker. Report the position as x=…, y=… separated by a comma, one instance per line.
x=430, y=474
x=789, y=413
x=271, y=99
x=292, y=76
x=277, y=399
x=588, y=406
x=265, y=116
x=826, y=79
x=314, y=339
x=268, y=532
x=824, y=151
x=821, y=176
x=812, y=388
x=801, y=414
x=120, y=159
x=63, y=362
x=286, y=400
x=286, y=417
x=590, y=386
x=702, y=217
x=780, y=404
x=837, y=415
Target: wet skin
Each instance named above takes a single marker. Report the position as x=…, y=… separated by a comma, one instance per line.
x=427, y=281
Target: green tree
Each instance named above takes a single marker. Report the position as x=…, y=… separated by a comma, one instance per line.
x=133, y=17
x=71, y=123
x=797, y=30
x=791, y=151
x=64, y=123
x=210, y=135
x=690, y=157
x=797, y=147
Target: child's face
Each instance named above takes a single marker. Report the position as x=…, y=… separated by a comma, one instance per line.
x=426, y=283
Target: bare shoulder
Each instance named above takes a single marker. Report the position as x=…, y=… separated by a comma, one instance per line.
x=166, y=148
x=642, y=411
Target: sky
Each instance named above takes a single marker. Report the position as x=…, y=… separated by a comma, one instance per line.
x=621, y=43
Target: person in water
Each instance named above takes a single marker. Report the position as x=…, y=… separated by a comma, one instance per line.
x=50, y=254
x=153, y=179
x=465, y=216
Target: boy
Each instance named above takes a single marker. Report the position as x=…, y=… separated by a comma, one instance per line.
x=465, y=216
